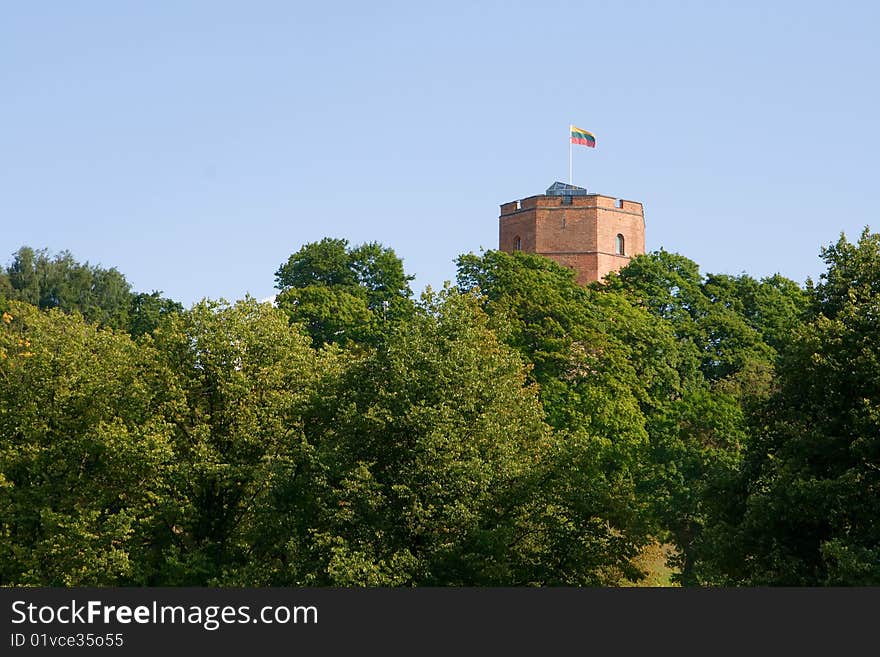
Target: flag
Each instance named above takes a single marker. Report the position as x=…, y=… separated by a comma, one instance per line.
x=582, y=137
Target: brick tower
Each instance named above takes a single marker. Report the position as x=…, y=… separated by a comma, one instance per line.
x=590, y=233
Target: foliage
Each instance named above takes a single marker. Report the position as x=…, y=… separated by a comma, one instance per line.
x=603, y=365
x=147, y=312
x=240, y=379
x=102, y=296
x=422, y=451
x=730, y=327
x=344, y=295
x=804, y=510
x=82, y=452
x=518, y=429
x=730, y=322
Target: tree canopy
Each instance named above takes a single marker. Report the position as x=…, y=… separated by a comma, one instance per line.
x=102, y=296
x=512, y=429
x=341, y=294
x=803, y=509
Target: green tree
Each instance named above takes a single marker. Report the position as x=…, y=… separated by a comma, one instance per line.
x=341, y=294
x=604, y=366
x=773, y=306
x=707, y=313
x=102, y=295
x=412, y=460
x=148, y=311
x=23, y=279
x=564, y=329
x=6, y=290
x=805, y=508
x=697, y=442
x=733, y=326
x=241, y=378
x=83, y=454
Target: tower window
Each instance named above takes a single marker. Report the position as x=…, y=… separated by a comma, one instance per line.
x=619, y=246
x=517, y=243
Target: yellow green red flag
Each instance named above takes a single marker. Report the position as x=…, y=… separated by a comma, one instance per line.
x=582, y=137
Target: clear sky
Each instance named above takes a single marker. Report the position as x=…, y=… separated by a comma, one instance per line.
x=196, y=145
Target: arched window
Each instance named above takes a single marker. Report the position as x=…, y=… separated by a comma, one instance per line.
x=517, y=243
x=620, y=250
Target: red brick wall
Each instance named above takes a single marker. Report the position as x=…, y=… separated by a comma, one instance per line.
x=566, y=229
x=522, y=225
x=581, y=235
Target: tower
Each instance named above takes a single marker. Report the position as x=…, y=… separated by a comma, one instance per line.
x=590, y=233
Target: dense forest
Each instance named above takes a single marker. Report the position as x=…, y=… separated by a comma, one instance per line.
x=512, y=429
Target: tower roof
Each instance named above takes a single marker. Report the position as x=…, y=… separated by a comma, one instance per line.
x=564, y=189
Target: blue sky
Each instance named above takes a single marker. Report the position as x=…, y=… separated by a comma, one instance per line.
x=196, y=145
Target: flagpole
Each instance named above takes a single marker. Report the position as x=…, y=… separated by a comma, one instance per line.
x=569, y=154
